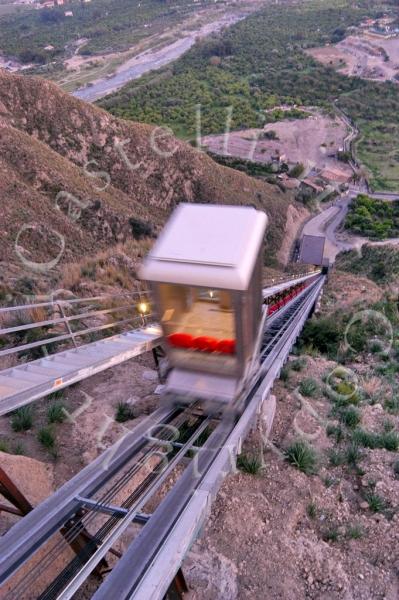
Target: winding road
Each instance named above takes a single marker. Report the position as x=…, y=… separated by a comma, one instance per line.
x=328, y=222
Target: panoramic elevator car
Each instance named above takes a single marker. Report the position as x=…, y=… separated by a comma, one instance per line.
x=205, y=272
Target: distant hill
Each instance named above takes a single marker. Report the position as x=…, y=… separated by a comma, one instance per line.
x=47, y=138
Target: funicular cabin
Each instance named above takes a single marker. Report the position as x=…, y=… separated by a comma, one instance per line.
x=205, y=272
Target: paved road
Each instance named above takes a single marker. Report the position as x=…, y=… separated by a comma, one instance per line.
x=328, y=222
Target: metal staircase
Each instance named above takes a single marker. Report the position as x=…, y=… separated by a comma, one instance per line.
x=27, y=382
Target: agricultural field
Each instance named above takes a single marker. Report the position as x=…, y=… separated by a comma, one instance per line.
x=236, y=75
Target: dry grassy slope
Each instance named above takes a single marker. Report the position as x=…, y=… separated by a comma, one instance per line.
x=48, y=136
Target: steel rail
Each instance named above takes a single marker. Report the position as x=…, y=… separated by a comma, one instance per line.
x=149, y=564
x=89, y=554
x=120, y=525
x=26, y=536
x=30, y=533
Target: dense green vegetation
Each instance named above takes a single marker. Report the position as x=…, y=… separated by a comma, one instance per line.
x=379, y=263
x=375, y=219
x=327, y=334
x=108, y=28
x=260, y=63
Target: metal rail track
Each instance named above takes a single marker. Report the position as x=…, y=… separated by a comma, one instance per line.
x=131, y=578
x=151, y=561
x=25, y=383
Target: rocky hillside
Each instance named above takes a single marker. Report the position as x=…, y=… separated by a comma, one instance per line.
x=73, y=175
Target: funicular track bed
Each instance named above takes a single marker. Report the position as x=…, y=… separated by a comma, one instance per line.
x=98, y=506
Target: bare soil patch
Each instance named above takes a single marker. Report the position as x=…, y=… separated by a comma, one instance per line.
x=313, y=141
x=366, y=55
x=284, y=534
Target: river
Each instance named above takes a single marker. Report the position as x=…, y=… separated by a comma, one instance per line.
x=151, y=59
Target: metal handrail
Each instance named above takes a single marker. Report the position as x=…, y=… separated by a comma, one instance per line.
x=140, y=318
x=290, y=276
x=71, y=301
x=85, y=315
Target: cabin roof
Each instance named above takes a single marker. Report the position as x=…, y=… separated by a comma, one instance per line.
x=207, y=245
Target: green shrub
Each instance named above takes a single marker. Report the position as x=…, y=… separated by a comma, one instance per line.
x=335, y=431
x=329, y=481
x=331, y=534
x=311, y=510
x=56, y=413
x=19, y=449
x=324, y=334
x=349, y=416
x=375, y=218
x=309, y=387
x=285, y=373
x=376, y=503
x=46, y=437
x=355, y=532
x=249, y=464
x=392, y=405
x=3, y=446
x=124, y=412
x=22, y=419
x=302, y=456
x=298, y=364
x=336, y=458
x=388, y=439
x=353, y=455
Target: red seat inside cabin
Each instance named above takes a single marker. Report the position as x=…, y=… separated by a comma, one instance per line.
x=204, y=343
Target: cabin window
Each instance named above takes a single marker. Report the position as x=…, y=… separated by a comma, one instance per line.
x=199, y=319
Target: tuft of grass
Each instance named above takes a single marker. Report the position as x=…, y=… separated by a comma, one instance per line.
x=56, y=413
x=376, y=503
x=309, y=387
x=46, y=437
x=350, y=416
x=285, y=373
x=298, y=364
x=331, y=534
x=302, y=456
x=335, y=431
x=3, y=446
x=355, y=532
x=388, y=425
x=249, y=464
x=328, y=481
x=22, y=419
x=311, y=510
x=392, y=405
x=124, y=412
x=388, y=439
x=336, y=458
x=353, y=455
x=19, y=450
x=376, y=347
